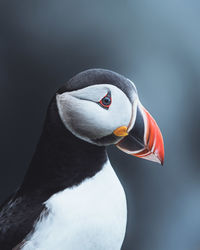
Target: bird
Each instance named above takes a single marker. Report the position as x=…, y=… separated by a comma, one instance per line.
x=71, y=197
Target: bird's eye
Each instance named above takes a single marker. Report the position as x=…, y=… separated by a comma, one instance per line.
x=106, y=101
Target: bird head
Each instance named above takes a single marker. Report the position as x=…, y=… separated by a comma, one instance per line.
x=103, y=108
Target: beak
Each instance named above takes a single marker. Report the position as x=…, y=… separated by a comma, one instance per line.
x=144, y=140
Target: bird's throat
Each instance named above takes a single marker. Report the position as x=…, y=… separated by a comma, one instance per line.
x=61, y=159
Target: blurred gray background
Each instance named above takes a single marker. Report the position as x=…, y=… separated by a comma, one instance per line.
x=154, y=43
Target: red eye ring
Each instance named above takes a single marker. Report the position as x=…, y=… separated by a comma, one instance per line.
x=106, y=101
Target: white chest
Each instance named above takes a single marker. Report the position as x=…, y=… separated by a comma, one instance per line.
x=91, y=216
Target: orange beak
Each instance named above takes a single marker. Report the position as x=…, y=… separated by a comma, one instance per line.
x=144, y=140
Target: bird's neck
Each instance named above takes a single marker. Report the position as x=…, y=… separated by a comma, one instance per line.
x=61, y=159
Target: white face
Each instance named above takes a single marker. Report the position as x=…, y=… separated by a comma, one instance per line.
x=83, y=115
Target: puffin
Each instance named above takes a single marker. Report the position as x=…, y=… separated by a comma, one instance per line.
x=71, y=197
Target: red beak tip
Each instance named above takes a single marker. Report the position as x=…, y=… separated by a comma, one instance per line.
x=162, y=163
x=160, y=159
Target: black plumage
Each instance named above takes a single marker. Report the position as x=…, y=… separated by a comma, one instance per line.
x=61, y=160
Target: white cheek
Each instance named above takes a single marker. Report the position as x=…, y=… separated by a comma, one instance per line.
x=120, y=112
x=88, y=120
x=83, y=118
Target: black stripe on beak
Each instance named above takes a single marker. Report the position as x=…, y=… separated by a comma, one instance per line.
x=135, y=139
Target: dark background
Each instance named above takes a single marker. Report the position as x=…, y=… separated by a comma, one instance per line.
x=154, y=43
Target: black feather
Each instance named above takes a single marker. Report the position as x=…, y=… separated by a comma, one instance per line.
x=61, y=160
